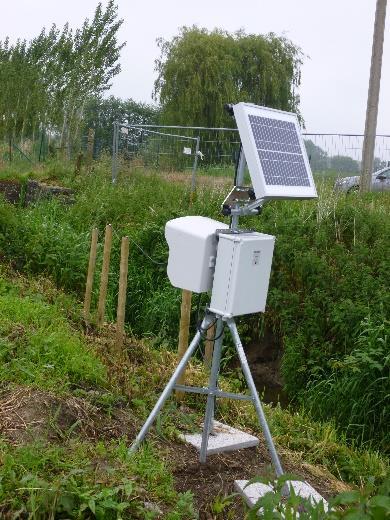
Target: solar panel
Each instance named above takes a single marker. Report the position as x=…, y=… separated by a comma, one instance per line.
x=275, y=153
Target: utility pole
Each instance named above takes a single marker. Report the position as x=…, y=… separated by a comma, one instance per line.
x=373, y=97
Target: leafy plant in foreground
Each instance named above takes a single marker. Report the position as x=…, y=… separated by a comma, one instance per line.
x=369, y=503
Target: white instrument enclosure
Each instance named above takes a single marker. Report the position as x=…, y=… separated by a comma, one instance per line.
x=242, y=111
x=242, y=273
x=192, y=245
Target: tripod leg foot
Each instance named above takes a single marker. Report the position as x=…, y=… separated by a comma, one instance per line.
x=168, y=389
x=251, y=385
x=213, y=386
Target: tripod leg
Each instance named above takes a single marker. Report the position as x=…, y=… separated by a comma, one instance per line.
x=259, y=409
x=213, y=386
x=168, y=389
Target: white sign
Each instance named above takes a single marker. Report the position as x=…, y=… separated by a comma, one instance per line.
x=124, y=130
x=187, y=151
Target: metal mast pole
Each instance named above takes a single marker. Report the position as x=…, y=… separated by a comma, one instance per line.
x=373, y=96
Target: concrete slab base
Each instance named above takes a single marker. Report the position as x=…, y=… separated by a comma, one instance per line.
x=254, y=492
x=222, y=438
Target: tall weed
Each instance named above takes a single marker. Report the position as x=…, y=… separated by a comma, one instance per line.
x=356, y=391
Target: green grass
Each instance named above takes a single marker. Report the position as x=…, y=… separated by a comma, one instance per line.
x=81, y=476
x=331, y=175
x=51, y=170
x=356, y=391
x=53, y=481
x=38, y=347
x=329, y=276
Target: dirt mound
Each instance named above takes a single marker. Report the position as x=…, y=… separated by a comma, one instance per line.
x=28, y=414
x=10, y=190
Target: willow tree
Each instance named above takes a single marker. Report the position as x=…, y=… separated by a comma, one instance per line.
x=200, y=70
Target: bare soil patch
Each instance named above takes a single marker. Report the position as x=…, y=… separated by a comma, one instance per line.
x=216, y=477
x=34, y=191
x=10, y=190
x=180, y=177
x=213, y=181
x=264, y=358
x=27, y=415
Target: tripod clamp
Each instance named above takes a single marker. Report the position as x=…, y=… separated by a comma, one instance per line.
x=241, y=201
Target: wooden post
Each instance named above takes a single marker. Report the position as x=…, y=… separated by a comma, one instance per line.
x=209, y=345
x=79, y=162
x=373, y=97
x=104, y=275
x=90, y=275
x=120, y=314
x=185, y=309
x=90, y=145
x=185, y=313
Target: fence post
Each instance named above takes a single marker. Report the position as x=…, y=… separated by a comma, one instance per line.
x=209, y=345
x=104, y=274
x=78, y=165
x=120, y=314
x=194, y=167
x=114, y=168
x=184, y=332
x=41, y=146
x=186, y=296
x=90, y=274
x=90, y=145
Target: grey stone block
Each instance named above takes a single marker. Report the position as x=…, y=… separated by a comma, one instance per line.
x=254, y=492
x=223, y=438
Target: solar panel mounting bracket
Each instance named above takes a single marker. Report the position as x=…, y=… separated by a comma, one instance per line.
x=241, y=201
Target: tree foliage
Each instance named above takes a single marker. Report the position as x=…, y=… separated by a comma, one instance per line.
x=344, y=164
x=200, y=70
x=319, y=159
x=47, y=81
x=101, y=113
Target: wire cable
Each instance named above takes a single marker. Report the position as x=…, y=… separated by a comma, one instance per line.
x=146, y=254
x=204, y=330
x=142, y=250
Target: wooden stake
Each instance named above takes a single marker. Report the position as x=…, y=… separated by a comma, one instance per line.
x=209, y=345
x=90, y=145
x=79, y=162
x=185, y=313
x=120, y=313
x=90, y=275
x=104, y=275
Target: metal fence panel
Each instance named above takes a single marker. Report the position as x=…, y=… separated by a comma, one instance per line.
x=333, y=154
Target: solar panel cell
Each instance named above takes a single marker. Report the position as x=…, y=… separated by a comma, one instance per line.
x=279, y=151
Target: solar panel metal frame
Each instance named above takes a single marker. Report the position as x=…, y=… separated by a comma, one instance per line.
x=242, y=111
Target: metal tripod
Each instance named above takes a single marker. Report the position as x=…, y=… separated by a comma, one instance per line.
x=212, y=391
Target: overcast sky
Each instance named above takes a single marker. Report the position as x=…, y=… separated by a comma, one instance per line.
x=336, y=35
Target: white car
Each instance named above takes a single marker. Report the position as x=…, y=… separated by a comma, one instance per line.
x=380, y=182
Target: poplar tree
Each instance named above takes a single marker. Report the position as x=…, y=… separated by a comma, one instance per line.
x=46, y=82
